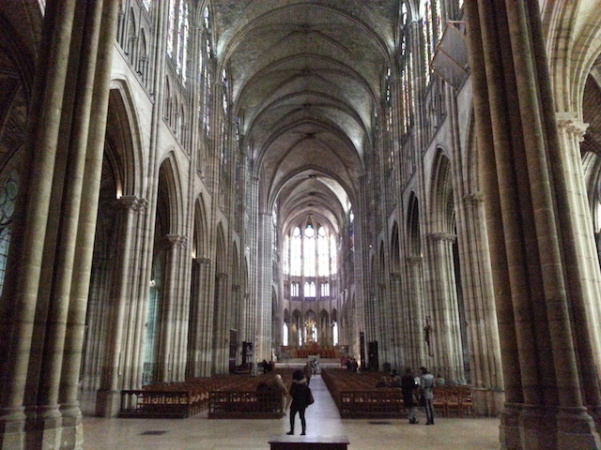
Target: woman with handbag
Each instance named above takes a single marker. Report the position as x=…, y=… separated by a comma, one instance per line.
x=300, y=393
x=410, y=390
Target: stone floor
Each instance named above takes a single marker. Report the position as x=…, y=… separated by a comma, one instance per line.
x=199, y=432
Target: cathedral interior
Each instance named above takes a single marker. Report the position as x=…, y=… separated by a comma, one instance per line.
x=191, y=187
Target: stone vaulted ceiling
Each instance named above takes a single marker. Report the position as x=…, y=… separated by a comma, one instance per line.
x=306, y=79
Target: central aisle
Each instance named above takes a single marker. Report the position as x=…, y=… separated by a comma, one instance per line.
x=323, y=418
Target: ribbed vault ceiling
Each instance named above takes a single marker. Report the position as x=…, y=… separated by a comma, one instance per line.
x=306, y=77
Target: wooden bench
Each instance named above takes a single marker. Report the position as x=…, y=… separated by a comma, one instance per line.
x=245, y=405
x=158, y=404
x=286, y=442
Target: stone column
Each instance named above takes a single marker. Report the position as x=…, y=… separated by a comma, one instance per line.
x=205, y=318
x=414, y=315
x=88, y=211
x=263, y=344
x=67, y=137
x=221, y=328
x=399, y=335
x=169, y=358
x=19, y=302
x=235, y=320
x=536, y=288
x=483, y=337
x=108, y=396
x=139, y=294
x=445, y=334
x=583, y=263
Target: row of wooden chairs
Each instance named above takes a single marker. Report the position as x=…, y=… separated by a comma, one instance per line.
x=357, y=391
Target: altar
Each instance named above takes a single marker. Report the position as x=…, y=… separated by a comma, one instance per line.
x=311, y=350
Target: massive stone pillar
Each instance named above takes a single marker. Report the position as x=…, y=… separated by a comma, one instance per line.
x=445, y=334
x=221, y=329
x=486, y=375
x=171, y=354
x=108, y=397
x=42, y=326
x=205, y=318
x=399, y=326
x=418, y=351
x=538, y=293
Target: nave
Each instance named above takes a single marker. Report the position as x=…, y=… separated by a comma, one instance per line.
x=323, y=419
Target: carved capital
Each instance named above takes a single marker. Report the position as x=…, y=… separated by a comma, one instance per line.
x=475, y=198
x=176, y=240
x=442, y=237
x=572, y=127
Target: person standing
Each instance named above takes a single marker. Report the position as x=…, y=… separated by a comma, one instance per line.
x=308, y=371
x=299, y=391
x=282, y=390
x=409, y=386
x=427, y=386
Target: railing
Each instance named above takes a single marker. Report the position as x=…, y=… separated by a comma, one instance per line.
x=245, y=405
x=160, y=404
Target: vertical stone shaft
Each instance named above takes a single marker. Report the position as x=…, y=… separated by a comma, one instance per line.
x=48, y=98
x=107, y=403
x=491, y=194
x=87, y=224
x=521, y=183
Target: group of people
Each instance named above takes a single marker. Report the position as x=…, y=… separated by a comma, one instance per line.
x=351, y=364
x=417, y=390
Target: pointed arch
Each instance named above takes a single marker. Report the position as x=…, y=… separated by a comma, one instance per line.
x=442, y=206
x=123, y=136
x=172, y=192
x=413, y=227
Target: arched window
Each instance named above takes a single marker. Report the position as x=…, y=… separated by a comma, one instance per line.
x=406, y=69
x=296, y=253
x=285, y=334
x=182, y=42
x=178, y=34
x=171, y=28
x=432, y=30
x=309, y=247
x=310, y=252
x=294, y=289
x=8, y=194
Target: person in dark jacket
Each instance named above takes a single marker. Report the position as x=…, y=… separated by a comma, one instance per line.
x=299, y=392
x=408, y=385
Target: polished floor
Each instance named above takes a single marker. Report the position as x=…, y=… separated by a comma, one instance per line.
x=199, y=432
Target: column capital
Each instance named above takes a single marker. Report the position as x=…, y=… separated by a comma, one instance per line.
x=442, y=237
x=131, y=203
x=569, y=124
x=202, y=261
x=474, y=198
x=395, y=276
x=176, y=240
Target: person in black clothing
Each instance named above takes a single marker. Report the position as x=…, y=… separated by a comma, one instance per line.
x=408, y=385
x=299, y=393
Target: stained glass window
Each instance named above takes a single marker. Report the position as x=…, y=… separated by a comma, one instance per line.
x=182, y=43
x=171, y=29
